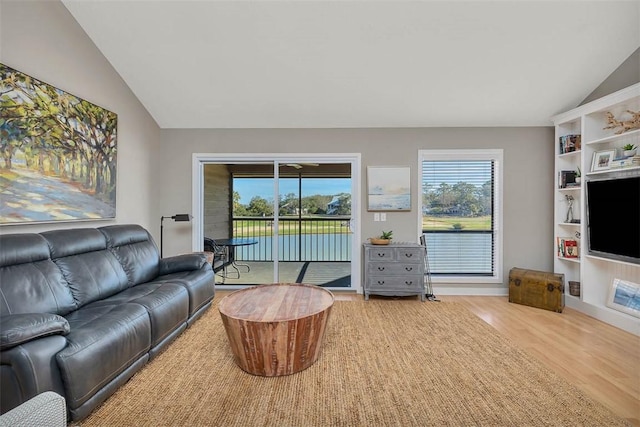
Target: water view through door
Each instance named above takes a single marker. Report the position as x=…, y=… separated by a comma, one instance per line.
x=298, y=222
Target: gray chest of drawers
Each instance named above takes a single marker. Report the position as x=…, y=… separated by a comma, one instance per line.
x=395, y=269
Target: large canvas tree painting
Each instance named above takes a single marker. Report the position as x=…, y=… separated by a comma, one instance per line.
x=58, y=154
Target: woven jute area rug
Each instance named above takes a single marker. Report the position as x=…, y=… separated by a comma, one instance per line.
x=383, y=363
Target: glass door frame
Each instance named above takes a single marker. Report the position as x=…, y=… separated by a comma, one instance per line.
x=197, y=198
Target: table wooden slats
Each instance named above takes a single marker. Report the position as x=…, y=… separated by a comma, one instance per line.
x=276, y=329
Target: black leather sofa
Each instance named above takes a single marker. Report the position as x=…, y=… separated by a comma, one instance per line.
x=84, y=309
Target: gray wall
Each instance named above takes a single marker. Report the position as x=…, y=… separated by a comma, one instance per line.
x=41, y=39
x=627, y=74
x=528, y=172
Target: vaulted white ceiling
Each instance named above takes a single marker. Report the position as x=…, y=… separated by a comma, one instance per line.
x=336, y=64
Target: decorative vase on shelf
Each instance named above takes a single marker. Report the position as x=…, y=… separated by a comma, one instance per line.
x=629, y=153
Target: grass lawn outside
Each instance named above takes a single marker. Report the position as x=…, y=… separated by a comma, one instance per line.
x=289, y=226
x=311, y=225
x=449, y=223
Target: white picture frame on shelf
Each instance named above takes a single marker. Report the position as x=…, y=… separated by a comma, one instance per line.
x=624, y=296
x=602, y=160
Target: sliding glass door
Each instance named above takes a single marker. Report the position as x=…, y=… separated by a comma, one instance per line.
x=314, y=224
x=291, y=219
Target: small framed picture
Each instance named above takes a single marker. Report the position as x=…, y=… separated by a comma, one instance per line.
x=602, y=160
x=624, y=296
x=389, y=188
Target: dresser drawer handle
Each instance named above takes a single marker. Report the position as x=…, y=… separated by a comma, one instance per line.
x=380, y=282
x=381, y=255
x=408, y=282
x=408, y=268
x=408, y=255
x=380, y=268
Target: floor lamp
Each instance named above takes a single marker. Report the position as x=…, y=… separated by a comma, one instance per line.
x=177, y=217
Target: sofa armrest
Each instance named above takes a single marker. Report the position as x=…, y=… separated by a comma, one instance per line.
x=20, y=328
x=185, y=262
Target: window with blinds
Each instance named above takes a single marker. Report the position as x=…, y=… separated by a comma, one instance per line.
x=460, y=211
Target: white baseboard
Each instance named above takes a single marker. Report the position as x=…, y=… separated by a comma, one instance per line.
x=479, y=290
x=612, y=317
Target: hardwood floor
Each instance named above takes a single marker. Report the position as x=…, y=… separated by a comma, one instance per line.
x=601, y=360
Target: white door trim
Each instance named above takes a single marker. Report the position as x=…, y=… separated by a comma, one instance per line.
x=197, y=179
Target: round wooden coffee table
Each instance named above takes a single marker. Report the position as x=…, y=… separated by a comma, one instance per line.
x=276, y=329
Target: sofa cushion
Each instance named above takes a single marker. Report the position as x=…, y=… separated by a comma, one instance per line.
x=135, y=249
x=22, y=248
x=198, y=283
x=167, y=304
x=64, y=243
x=20, y=328
x=91, y=271
x=103, y=342
x=30, y=282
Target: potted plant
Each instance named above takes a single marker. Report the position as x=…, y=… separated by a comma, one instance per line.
x=629, y=150
x=383, y=239
x=578, y=175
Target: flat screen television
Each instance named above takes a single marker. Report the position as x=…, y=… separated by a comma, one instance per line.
x=613, y=218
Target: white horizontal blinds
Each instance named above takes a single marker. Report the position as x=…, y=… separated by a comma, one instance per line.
x=458, y=220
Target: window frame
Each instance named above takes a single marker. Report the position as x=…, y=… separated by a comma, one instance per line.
x=495, y=155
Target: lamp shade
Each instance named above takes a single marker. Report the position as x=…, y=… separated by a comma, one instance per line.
x=176, y=217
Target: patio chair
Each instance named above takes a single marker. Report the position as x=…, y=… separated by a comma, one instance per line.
x=220, y=257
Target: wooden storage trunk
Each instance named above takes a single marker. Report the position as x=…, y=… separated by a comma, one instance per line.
x=537, y=289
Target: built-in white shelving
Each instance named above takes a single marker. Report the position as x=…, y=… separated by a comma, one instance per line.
x=613, y=170
x=614, y=137
x=594, y=273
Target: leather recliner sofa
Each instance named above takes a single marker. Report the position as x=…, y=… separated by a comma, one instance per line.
x=83, y=309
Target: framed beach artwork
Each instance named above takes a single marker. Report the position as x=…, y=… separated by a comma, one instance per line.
x=624, y=296
x=58, y=154
x=389, y=188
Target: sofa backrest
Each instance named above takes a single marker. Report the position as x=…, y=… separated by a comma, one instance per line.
x=90, y=269
x=135, y=249
x=30, y=282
